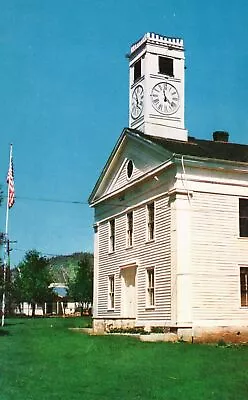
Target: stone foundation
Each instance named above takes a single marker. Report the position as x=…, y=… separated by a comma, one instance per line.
x=197, y=334
x=159, y=337
x=101, y=326
x=227, y=334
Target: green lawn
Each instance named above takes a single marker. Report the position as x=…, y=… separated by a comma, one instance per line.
x=41, y=359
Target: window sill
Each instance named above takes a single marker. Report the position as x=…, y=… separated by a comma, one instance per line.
x=150, y=240
x=140, y=79
x=111, y=251
x=110, y=309
x=242, y=237
x=150, y=308
x=166, y=75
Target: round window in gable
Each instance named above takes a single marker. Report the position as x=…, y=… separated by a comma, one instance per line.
x=129, y=169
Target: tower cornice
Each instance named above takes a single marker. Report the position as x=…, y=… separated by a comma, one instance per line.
x=154, y=38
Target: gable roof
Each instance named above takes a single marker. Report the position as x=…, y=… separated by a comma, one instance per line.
x=202, y=148
x=129, y=146
x=199, y=148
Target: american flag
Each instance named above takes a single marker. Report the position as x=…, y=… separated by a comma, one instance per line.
x=10, y=182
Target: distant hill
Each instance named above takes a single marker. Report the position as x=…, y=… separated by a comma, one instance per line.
x=64, y=267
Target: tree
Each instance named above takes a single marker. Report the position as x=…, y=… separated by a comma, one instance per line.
x=33, y=280
x=81, y=288
x=2, y=239
x=1, y=279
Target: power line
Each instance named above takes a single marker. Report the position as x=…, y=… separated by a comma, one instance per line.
x=50, y=255
x=48, y=200
x=52, y=200
x=194, y=208
x=46, y=254
x=202, y=209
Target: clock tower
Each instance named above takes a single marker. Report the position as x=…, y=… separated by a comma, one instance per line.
x=156, y=86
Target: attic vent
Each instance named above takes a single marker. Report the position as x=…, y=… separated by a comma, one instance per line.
x=129, y=169
x=220, y=136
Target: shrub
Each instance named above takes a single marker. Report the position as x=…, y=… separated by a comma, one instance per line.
x=134, y=330
x=157, y=329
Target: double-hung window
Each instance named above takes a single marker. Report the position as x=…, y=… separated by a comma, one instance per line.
x=130, y=229
x=112, y=235
x=150, y=287
x=150, y=221
x=111, y=292
x=244, y=286
x=243, y=217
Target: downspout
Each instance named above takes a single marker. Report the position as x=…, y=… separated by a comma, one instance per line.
x=184, y=180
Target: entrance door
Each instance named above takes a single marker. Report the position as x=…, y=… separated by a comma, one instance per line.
x=129, y=292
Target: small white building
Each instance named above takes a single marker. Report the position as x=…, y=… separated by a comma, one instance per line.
x=171, y=213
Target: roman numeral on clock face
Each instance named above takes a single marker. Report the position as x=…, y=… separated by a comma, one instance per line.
x=165, y=98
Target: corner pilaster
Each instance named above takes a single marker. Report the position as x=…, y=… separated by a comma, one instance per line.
x=181, y=273
x=96, y=270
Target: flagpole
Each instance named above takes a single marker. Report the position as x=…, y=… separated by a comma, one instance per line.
x=6, y=243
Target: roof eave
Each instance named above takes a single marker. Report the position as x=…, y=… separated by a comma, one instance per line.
x=99, y=180
x=209, y=160
x=125, y=134
x=167, y=164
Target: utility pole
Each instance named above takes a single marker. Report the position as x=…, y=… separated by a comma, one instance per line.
x=10, y=202
x=6, y=274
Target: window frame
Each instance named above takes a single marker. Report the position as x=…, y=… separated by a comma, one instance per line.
x=245, y=291
x=112, y=235
x=243, y=219
x=130, y=227
x=150, y=222
x=111, y=292
x=150, y=287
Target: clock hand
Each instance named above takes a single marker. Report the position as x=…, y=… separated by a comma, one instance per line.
x=137, y=99
x=166, y=99
x=137, y=102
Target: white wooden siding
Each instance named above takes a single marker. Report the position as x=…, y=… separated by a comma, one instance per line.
x=217, y=252
x=148, y=254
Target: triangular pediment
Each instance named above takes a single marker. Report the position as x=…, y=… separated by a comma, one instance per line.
x=132, y=158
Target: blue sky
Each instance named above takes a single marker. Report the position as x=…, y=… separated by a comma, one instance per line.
x=64, y=99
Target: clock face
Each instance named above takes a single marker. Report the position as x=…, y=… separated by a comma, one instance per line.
x=137, y=102
x=165, y=98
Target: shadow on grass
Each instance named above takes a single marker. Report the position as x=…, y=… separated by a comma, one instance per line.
x=4, y=333
x=13, y=323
